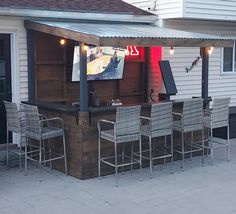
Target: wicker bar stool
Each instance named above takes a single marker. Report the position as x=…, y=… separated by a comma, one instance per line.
x=190, y=120
x=159, y=124
x=37, y=130
x=126, y=129
x=214, y=118
x=15, y=124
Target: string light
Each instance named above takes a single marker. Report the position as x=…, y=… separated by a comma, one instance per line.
x=85, y=47
x=62, y=41
x=210, y=50
x=172, y=51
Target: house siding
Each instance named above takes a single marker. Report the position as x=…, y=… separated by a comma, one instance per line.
x=194, y=9
x=210, y=9
x=142, y=4
x=220, y=85
x=164, y=9
x=15, y=27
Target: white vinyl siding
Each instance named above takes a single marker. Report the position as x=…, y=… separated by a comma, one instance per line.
x=210, y=9
x=188, y=84
x=19, y=71
x=142, y=4
x=219, y=85
x=169, y=9
x=224, y=10
x=164, y=9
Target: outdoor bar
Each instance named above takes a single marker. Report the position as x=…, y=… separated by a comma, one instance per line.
x=85, y=98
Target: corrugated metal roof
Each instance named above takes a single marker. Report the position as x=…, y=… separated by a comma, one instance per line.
x=138, y=33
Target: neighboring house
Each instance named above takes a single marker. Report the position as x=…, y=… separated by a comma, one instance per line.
x=212, y=16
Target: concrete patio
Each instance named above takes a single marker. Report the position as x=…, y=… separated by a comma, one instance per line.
x=198, y=190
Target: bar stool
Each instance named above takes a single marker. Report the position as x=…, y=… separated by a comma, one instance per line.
x=15, y=124
x=190, y=120
x=159, y=124
x=126, y=130
x=42, y=130
x=217, y=117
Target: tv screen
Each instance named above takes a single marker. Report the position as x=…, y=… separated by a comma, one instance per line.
x=103, y=63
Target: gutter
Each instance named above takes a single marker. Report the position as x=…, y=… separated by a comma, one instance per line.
x=50, y=14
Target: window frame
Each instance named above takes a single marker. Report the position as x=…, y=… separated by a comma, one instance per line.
x=233, y=72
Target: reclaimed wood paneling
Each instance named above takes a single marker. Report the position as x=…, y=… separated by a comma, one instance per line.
x=53, y=75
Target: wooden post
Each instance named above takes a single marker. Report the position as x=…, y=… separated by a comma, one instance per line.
x=31, y=66
x=83, y=79
x=205, y=71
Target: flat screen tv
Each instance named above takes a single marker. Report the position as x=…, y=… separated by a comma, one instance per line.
x=103, y=63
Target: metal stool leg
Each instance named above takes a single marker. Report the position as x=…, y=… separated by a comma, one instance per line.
x=150, y=155
x=116, y=167
x=191, y=146
x=165, y=151
x=50, y=153
x=64, y=147
x=182, y=138
x=211, y=146
x=228, y=144
x=20, y=168
x=40, y=160
x=44, y=152
x=208, y=134
x=99, y=156
x=26, y=155
x=172, y=153
x=140, y=159
x=7, y=148
x=203, y=147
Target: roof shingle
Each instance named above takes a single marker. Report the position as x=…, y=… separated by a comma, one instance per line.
x=104, y=6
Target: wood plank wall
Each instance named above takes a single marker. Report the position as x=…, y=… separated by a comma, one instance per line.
x=53, y=75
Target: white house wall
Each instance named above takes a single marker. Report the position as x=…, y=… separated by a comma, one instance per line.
x=189, y=84
x=210, y=9
x=15, y=27
x=143, y=4
x=224, y=10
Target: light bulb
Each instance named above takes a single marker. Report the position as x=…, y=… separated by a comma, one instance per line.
x=85, y=47
x=172, y=51
x=210, y=50
x=62, y=41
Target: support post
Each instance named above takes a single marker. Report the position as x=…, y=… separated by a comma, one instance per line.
x=83, y=79
x=31, y=66
x=205, y=72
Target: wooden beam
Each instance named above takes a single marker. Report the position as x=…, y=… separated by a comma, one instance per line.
x=166, y=42
x=31, y=66
x=83, y=79
x=61, y=32
x=205, y=72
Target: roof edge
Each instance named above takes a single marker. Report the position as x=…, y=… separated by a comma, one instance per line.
x=148, y=19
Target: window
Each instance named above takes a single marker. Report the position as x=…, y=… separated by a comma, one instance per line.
x=229, y=59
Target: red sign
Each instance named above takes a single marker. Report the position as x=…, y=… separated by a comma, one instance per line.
x=132, y=51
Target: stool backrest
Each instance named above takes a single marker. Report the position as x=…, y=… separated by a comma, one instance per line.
x=13, y=117
x=127, y=120
x=161, y=116
x=220, y=110
x=32, y=122
x=193, y=112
